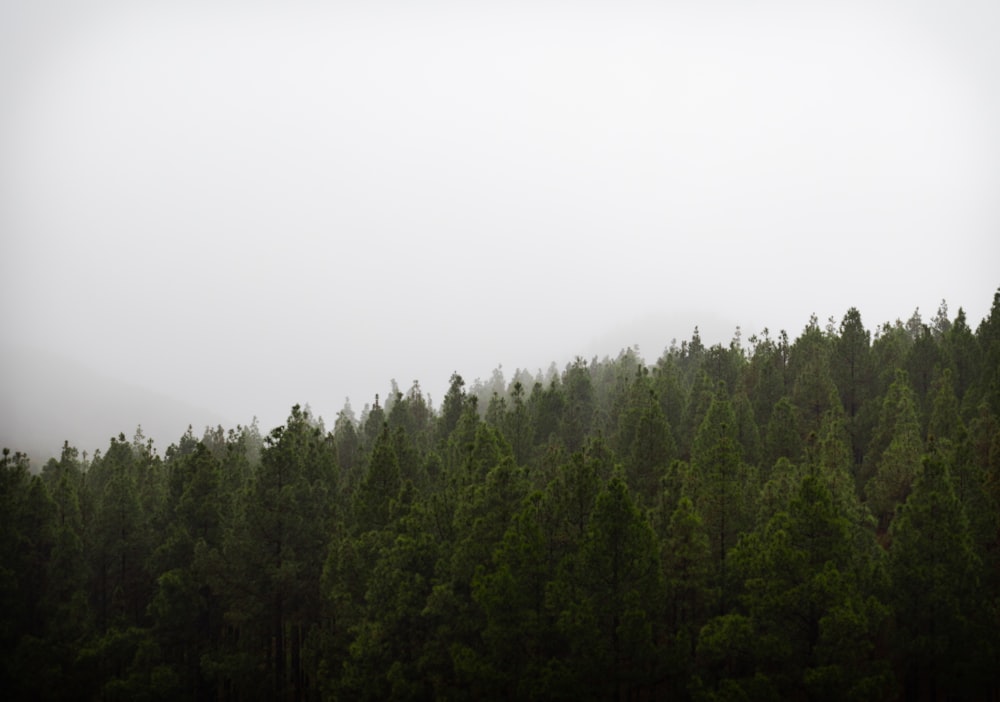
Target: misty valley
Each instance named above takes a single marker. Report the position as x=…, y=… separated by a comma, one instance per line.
x=776, y=518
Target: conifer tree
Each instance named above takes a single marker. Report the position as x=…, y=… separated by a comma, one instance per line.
x=782, y=438
x=961, y=351
x=517, y=426
x=851, y=369
x=578, y=411
x=900, y=463
x=276, y=549
x=988, y=336
x=689, y=595
x=720, y=485
x=644, y=439
x=610, y=597
x=747, y=431
x=814, y=627
x=935, y=591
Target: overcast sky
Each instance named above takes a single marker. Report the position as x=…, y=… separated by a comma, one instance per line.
x=247, y=205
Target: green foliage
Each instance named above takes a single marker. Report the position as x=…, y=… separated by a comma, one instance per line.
x=813, y=627
x=899, y=464
x=941, y=636
x=782, y=438
x=720, y=485
x=609, y=597
x=811, y=519
x=644, y=438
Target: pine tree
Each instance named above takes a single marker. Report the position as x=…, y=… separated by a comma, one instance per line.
x=746, y=429
x=578, y=412
x=935, y=590
x=988, y=336
x=899, y=464
x=609, y=597
x=517, y=426
x=276, y=549
x=380, y=484
x=644, y=439
x=720, y=485
x=782, y=439
x=767, y=374
x=451, y=408
x=961, y=349
x=689, y=595
x=813, y=627
x=851, y=369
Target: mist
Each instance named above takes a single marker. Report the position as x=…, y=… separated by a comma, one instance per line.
x=242, y=207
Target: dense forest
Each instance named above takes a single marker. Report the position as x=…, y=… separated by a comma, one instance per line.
x=807, y=519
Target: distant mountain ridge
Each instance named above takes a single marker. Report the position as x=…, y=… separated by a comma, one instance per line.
x=46, y=399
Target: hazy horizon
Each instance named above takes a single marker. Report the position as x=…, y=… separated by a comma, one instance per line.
x=243, y=207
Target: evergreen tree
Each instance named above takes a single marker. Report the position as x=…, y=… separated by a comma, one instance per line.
x=119, y=538
x=746, y=429
x=451, y=408
x=517, y=426
x=609, y=598
x=896, y=399
x=702, y=395
x=720, y=485
x=899, y=464
x=988, y=336
x=348, y=446
x=782, y=439
x=644, y=439
x=813, y=392
x=276, y=549
x=815, y=629
x=767, y=374
x=381, y=483
x=669, y=388
x=851, y=369
x=547, y=405
x=186, y=611
x=922, y=363
x=889, y=350
x=935, y=591
x=519, y=636
x=386, y=656
x=945, y=422
x=578, y=412
x=961, y=350
x=689, y=595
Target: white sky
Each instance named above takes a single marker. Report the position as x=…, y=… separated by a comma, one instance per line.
x=248, y=205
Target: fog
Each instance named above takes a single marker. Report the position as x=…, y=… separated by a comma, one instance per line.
x=241, y=206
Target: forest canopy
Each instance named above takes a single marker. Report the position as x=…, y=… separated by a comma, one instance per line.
x=774, y=518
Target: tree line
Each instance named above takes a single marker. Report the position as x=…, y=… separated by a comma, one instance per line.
x=807, y=519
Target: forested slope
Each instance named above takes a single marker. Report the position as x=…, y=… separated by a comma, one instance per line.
x=807, y=519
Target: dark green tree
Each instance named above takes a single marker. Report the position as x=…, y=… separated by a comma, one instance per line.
x=766, y=376
x=899, y=465
x=988, y=336
x=720, y=485
x=851, y=369
x=275, y=551
x=689, y=595
x=935, y=592
x=669, y=388
x=644, y=439
x=782, y=438
x=961, y=351
x=578, y=411
x=609, y=598
x=451, y=408
x=517, y=426
x=814, y=628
